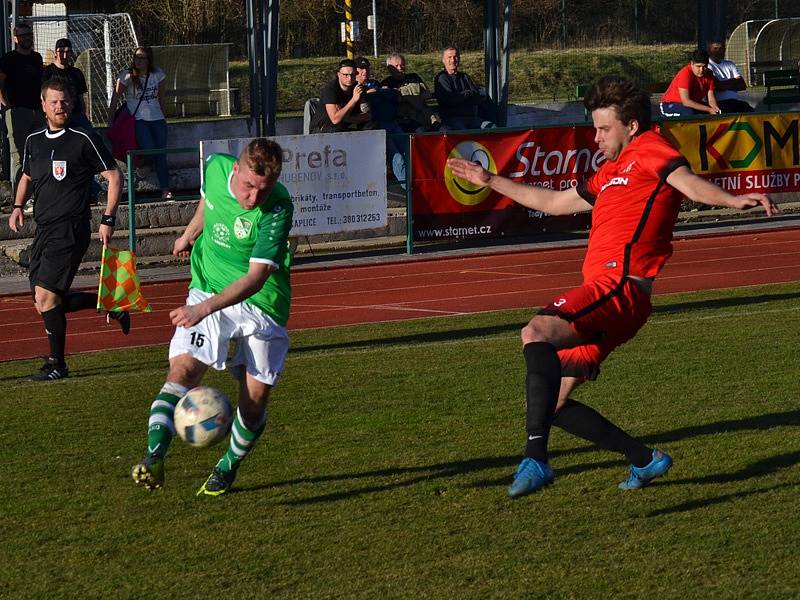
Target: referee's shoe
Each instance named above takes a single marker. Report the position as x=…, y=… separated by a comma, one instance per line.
x=122, y=317
x=51, y=370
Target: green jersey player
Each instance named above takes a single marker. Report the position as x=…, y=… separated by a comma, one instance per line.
x=240, y=291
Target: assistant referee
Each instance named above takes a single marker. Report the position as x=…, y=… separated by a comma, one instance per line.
x=60, y=162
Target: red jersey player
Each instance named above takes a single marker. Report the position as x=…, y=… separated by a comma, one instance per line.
x=635, y=198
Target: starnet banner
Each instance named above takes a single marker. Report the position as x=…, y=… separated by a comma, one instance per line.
x=447, y=207
x=337, y=180
x=747, y=153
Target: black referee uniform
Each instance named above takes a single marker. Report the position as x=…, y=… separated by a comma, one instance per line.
x=62, y=166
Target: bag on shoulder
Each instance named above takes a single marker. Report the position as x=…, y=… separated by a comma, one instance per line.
x=122, y=134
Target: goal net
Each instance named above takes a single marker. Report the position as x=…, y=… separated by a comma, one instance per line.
x=103, y=46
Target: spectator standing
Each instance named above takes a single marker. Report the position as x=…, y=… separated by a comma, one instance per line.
x=341, y=103
x=691, y=91
x=20, y=94
x=59, y=163
x=458, y=96
x=728, y=80
x=63, y=68
x=413, y=112
x=143, y=86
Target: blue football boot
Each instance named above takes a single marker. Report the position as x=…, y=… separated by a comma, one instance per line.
x=531, y=475
x=641, y=476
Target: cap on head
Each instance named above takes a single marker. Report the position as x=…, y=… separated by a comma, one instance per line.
x=63, y=43
x=362, y=63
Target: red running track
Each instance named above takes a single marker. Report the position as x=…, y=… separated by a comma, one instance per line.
x=325, y=297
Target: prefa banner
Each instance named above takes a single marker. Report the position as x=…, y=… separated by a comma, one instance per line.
x=447, y=207
x=743, y=153
x=337, y=180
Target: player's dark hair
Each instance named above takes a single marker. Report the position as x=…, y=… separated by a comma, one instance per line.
x=263, y=157
x=628, y=99
x=58, y=84
x=699, y=56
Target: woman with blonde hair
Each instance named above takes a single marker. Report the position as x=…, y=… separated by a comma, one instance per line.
x=143, y=86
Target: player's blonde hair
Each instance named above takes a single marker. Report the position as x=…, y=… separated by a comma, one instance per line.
x=263, y=157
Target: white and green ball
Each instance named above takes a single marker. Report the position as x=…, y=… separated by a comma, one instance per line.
x=203, y=416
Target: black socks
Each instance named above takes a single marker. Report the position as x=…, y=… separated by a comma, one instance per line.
x=586, y=423
x=542, y=386
x=55, y=325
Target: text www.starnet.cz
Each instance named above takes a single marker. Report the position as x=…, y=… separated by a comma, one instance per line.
x=455, y=232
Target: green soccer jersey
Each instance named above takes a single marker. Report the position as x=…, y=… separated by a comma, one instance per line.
x=233, y=237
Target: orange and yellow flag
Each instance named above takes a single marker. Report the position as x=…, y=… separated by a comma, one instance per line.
x=119, y=287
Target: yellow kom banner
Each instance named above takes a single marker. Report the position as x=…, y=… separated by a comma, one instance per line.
x=741, y=153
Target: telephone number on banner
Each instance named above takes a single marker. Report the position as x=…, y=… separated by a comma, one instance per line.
x=358, y=218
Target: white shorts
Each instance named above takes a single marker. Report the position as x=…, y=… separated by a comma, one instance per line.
x=261, y=344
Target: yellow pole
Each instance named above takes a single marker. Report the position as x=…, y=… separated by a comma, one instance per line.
x=348, y=20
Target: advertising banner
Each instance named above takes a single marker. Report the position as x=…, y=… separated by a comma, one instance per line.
x=743, y=153
x=337, y=180
x=447, y=207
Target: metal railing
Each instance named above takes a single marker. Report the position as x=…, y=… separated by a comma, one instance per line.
x=132, y=154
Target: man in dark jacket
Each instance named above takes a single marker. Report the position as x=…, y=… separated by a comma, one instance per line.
x=458, y=96
x=20, y=81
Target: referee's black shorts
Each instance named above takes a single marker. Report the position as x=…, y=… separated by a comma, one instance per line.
x=56, y=253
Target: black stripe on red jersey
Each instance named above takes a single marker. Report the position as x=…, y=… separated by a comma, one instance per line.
x=553, y=312
x=583, y=191
x=626, y=262
x=675, y=163
x=671, y=166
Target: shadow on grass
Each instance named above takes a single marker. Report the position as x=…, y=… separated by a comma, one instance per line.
x=428, y=337
x=757, y=469
x=84, y=372
x=424, y=473
x=477, y=332
x=679, y=307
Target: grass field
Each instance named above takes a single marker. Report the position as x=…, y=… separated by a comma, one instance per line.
x=384, y=469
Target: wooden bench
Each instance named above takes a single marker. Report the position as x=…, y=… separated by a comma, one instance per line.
x=199, y=101
x=782, y=87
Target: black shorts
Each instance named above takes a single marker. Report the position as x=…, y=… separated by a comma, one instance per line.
x=56, y=254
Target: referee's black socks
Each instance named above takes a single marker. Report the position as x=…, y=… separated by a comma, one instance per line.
x=542, y=386
x=586, y=423
x=55, y=325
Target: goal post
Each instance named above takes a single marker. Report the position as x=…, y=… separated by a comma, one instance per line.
x=103, y=46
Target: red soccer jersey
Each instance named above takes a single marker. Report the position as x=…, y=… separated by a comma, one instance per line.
x=634, y=209
x=698, y=86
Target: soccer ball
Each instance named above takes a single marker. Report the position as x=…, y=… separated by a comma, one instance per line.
x=203, y=416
